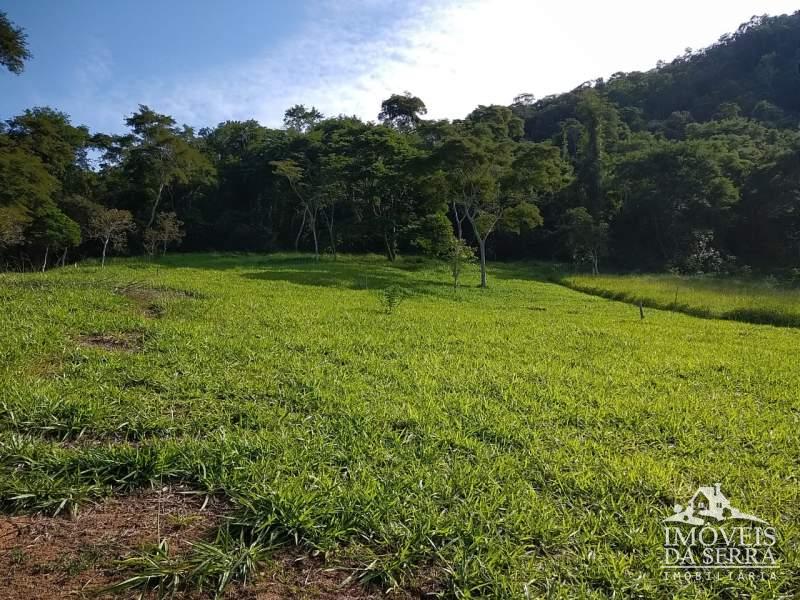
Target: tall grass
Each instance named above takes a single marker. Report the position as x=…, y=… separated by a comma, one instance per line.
x=747, y=300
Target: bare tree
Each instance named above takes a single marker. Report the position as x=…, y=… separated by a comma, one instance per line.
x=13, y=221
x=168, y=229
x=111, y=226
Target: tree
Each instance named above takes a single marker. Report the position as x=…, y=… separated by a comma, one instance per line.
x=300, y=119
x=52, y=229
x=13, y=45
x=111, y=225
x=245, y=209
x=458, y=255
x=770, y=217
x=14, y=220
x=402, y=111
x=25, y=180
x=32, y=220
x=385, y=183
x=158, y=155
x=168, y=229
x=306, y=192
x=587, y=238
x=433, y=234
x=670, y=191
x=495, y=180
x=334, y=191
x=601, y=122
x=330, y=155
x=49, y=134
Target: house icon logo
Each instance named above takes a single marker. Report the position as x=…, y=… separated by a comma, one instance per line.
x=708, y=505
x=710, y=538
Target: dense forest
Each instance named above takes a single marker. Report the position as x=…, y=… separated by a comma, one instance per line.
x=692, y=166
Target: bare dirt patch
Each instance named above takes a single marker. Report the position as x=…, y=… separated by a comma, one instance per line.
x=45, y=368
x=46, y=558
x=307, y=577
x=150, y=300
x=53, y=557
x=113, y=342
x=146, y=299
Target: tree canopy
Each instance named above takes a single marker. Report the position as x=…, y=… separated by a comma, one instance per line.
x=692, y=165
x=13, y=45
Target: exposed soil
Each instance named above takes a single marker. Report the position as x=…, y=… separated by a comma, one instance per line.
x=146, y=299
x=309, y=577
x=301, y=577
x=113, y=342
x=54, y=557
x=44, y=558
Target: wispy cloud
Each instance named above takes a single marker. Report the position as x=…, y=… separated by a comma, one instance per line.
x=454, y=54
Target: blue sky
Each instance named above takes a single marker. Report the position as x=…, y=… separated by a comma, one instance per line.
x=206, y=61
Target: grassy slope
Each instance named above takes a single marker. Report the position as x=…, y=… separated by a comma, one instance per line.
x=525, y=435
x=720, y=298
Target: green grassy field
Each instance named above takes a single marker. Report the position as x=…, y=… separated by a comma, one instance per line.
x=750, y=301
x=520, y=441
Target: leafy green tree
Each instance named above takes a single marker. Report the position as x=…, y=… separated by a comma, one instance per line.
x=587, y=238
x=458, y=255
x=332, y=146
x=432, y=233
x=245, y=209
x=770, y=216
x=302, y=182
x=385, y=182
x=31, y=218
x=26, y=181
x=52, y=230
x=13, y=45
x=158, y=155
x=300, y=119
x=602, y=131
x=497, y=180
x=402, y=111
x=670, y=191
x=49, y=134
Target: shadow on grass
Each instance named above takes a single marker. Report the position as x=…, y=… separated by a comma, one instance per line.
x=354, y=277
x=220, y=261
x=223, y=261
x=526, y=271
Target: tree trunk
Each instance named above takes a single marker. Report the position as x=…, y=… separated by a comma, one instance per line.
x=46, y=252
x=313, y=223
x=482, y=246
x=390, y=253
x=155, y=206
x=300, y=233
x=458, y=221
x=332, y=235
x=331, y=232
x=103, y=260
x=64, y=258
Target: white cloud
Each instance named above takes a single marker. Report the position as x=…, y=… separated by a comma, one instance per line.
x=453, y=54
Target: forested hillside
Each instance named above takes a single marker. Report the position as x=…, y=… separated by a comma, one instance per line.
x=694, y=166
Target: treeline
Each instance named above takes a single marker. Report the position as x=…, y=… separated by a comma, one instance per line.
x=693, y=166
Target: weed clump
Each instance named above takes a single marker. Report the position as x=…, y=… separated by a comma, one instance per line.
x=391, y=298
